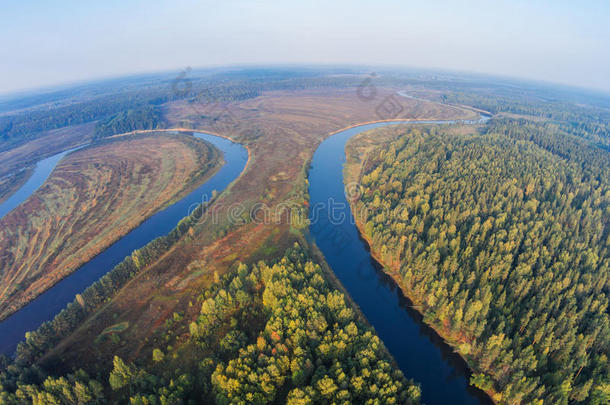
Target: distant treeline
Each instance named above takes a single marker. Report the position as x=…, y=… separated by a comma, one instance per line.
x=146, y=117
x=563, y=106
x=588, y=122
x=23, y=126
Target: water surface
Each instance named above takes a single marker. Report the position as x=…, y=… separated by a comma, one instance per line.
x=420, y=353
x=41, y=172
x=52, y=301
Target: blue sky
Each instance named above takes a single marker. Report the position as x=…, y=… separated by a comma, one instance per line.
x=54, y=42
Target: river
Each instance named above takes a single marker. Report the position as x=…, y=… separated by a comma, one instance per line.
x=41, y=172
x=420, y=353
x=52, y=301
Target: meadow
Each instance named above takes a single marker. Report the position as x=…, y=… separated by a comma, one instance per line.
x=92, y=198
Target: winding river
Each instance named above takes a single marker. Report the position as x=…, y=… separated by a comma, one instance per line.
x=420, y=353
x=52, y=301
x=418, y=350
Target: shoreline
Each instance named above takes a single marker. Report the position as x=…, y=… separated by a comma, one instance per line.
x=415, y=305
x=203, y=178
x=404, y=292
x=179, y=129
x=22, y=177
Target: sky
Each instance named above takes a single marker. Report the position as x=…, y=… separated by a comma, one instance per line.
x=46, y=43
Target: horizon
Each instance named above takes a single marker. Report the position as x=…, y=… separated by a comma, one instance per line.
x=103, y=80
x=551, y=42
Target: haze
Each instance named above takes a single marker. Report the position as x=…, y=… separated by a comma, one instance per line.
x=46, y=43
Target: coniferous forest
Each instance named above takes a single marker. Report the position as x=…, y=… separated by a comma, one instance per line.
x=501, y=238
x=497, y=231
x=303, y=345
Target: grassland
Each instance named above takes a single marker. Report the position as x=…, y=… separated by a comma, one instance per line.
x=281, y=130
x=92, y=198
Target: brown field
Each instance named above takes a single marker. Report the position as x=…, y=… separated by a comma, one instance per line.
x=281, y=130
x=93, y=197
x=16, y=164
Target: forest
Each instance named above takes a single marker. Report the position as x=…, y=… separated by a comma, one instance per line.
x=498, y=233
x=266, y=333
x=38, y=342
x=147, y=117
x=586, y=121
x=500, y=237
x=21, y=126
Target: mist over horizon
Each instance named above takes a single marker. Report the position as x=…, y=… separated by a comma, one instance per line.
x=362, y=70
x=554, y=42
